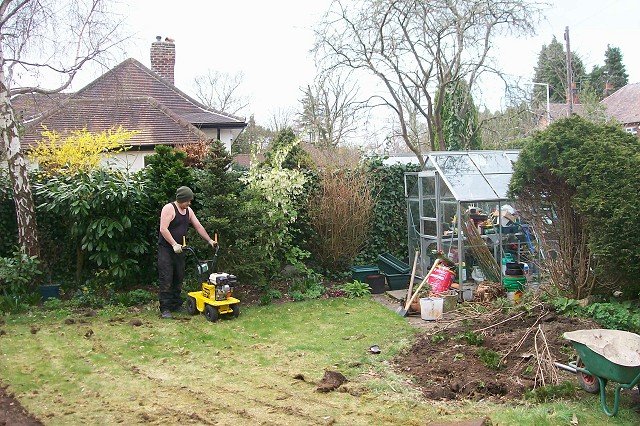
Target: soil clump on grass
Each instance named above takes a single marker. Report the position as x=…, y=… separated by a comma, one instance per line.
x=332, y=380
x=499, y=354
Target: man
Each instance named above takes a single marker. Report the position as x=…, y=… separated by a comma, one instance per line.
x=174, y=222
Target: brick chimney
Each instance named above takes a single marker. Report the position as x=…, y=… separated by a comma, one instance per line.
x=574, y=94
x=608, y=88
x=163, y=58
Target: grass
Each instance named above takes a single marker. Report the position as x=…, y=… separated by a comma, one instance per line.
x=104, y=370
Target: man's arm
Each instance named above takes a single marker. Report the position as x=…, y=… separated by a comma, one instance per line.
x=166, y=216
x=199, y=228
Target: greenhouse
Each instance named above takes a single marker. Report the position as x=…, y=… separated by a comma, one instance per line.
x=458, y=208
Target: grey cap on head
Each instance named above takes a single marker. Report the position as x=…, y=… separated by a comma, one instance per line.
x=184, y=194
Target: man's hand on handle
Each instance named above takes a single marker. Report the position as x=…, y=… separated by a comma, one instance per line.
x=213, y=243
x=177, y=248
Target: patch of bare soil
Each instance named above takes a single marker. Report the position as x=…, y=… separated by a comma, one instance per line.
x=495, y=355
x=12, y=413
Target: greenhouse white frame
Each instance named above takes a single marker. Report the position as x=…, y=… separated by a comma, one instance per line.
x=451, y=183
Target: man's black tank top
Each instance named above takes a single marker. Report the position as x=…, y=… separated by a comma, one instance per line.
x=177, y=227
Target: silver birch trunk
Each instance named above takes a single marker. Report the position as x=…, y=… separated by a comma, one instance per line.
x=22, y=196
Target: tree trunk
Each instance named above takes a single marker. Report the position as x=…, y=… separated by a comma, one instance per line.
x=22, y=196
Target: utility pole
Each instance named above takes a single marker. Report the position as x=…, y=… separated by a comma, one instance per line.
x=569, y=74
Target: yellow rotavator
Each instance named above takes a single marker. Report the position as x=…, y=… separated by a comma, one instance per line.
x=215, y=298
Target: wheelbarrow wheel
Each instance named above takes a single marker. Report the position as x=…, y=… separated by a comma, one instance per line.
x=587, y=382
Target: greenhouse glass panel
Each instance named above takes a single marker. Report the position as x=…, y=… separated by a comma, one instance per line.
x=500, y=184
x=491, y=162
x=411, y=182
x=459, y=164
x=471, y=187
x=449, y=211
x=428, y=186
x=445, y=192
x=430, y=227
x=414, y=212
x=429, y=207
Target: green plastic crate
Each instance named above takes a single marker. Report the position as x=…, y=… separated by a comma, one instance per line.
x=398, y=281
x=389, y=264
x=360, y=273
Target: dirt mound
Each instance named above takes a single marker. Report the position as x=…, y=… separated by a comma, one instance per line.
x=332, y=380
x=12, y=413
x=497, y=354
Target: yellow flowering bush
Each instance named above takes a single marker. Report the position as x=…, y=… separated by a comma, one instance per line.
x=79, y=151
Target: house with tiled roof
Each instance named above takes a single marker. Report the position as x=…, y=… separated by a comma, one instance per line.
x=133, y=97
x=623, y=105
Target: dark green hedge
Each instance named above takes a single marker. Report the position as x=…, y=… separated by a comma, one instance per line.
x=599, y=164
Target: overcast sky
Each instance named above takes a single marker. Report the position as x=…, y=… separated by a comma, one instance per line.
x=270, y=41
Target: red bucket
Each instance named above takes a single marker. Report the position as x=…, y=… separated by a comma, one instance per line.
x=440, y=279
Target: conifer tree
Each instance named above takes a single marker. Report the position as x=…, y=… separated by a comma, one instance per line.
x=613, y=72
x=552, y=70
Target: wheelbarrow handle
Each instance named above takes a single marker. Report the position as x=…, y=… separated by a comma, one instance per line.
x=565, y=367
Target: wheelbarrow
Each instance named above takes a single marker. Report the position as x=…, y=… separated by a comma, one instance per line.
x=605, y=355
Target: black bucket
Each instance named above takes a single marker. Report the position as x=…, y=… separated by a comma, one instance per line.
x=376, y=283
x=50, y=291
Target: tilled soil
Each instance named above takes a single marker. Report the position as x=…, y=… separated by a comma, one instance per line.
x=495, y=355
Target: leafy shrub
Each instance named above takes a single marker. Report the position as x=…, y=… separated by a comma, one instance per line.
x=356, y=289
x=614, y=315
x=100, y=212
x=307, y=289
x=80, y=151
x=581, y=176
x=489, y=358
x=471, y=338
x=19, y=274
x=18, y=303
x=269, y=296
x=165, y=171
x=280, y=191
x=97, y=292
x=619, y=316
x=438, y=337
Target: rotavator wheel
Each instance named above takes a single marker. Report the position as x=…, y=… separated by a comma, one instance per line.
x=211, y=313
x=191, y=305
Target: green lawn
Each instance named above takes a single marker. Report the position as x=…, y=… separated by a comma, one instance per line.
x=104, y=370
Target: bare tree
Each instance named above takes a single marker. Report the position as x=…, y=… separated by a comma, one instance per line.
x=417, y=49
x=330, y=109
x=280, y=119
x=221, y=91
x=43, y=40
